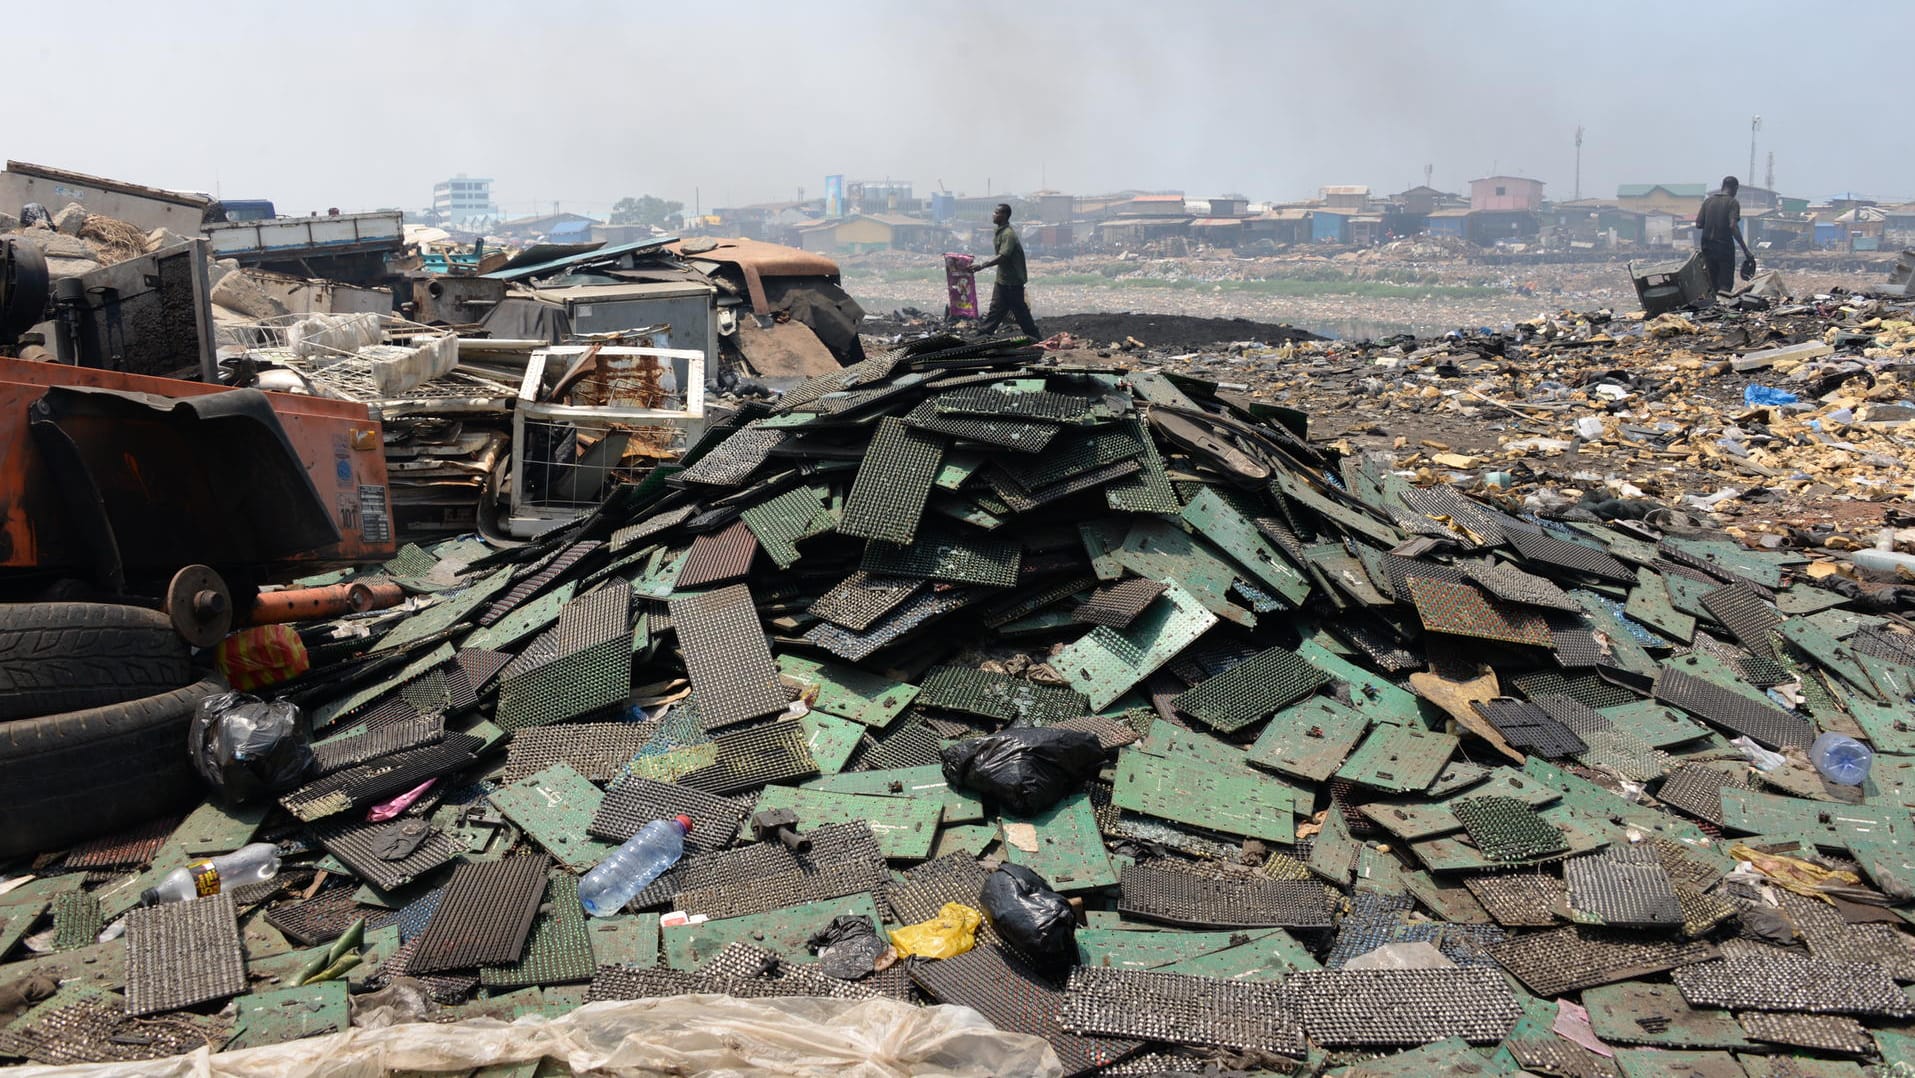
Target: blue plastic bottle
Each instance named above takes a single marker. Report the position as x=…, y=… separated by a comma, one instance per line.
x=644, y=857
x=1841, y=759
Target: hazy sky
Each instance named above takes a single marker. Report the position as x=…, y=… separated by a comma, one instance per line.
x=359, y=104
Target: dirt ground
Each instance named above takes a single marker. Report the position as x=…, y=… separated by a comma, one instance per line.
x=1159, y=332
x=1353, y=295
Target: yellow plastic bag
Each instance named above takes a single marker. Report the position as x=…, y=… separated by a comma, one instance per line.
x=951, y=933
x=1795, y=874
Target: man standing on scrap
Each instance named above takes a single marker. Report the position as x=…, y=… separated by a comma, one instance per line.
x=1007, y=295
x=1720, y=220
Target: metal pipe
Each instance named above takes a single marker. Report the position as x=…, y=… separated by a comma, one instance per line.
x=69, y=315
x=331, y=601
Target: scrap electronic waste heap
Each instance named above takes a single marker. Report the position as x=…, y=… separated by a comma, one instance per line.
x=1396, y=780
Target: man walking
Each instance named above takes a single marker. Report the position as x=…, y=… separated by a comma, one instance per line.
x=1007, y=295
x=1720, y=220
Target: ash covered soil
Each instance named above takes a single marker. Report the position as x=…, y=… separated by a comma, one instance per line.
x=1159, y=332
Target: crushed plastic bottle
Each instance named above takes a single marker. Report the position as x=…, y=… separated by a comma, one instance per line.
x=255, y=863
x=1759, y=758
x=1841, y=759
x=644, y=858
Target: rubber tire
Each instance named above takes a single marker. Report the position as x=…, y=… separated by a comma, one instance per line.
x=59, y=657
x=79, y=775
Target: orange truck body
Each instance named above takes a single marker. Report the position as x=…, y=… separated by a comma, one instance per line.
x=338, y=443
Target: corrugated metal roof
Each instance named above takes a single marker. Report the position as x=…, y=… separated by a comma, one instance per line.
x=633, y=290
x=1679, y=190
x=520, y=273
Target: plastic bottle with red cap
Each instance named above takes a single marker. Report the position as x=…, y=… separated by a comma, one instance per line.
x=645, y=857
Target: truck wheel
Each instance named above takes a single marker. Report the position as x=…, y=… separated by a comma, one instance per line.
x=83, y=774
x=57, y=657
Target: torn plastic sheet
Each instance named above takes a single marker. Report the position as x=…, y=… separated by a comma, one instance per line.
x=675, y=1036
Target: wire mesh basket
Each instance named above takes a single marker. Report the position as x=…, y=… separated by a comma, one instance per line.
x=592, y=417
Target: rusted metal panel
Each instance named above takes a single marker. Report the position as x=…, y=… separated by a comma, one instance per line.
x=337, y=443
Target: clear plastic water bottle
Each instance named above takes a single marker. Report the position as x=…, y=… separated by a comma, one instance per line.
x=256, y=863
x=1841, y=759
x=644, y=858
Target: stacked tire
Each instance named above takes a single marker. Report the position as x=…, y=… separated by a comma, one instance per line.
x=95, y=700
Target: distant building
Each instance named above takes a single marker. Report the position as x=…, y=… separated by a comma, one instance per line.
x=1366, y=229
x=1779, y=230
x=551, y=227
x=1217, y=231
x=1448, y=222
x=1053, y=208
x=1758, y=198
x=1898, y=225
x=1099, y=207
x=1659, y=228
x=1048, y=239
x=1490, y=227
x=1229, y=207
x=1346, y=197
x=1504, y=194
x=1423, y=200
x=1330, y=225
x=1285, y=225
x=759, y=221
x=464, y=201
x=1672, y=198
x=1593, y=223
x=1152, y=206
x=1137, y=229
x=1865, y=226
x=879, y=196
x=864, y=232
x=977, y=209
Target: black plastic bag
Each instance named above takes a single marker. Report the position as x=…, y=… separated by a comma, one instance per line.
x=1026, y=769
x=248, y=749
x=849, y=947
x=1035, y=920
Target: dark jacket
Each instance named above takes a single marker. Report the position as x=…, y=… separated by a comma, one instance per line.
x=1718, y=218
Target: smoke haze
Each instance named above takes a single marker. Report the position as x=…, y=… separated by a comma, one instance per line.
x=362, y=105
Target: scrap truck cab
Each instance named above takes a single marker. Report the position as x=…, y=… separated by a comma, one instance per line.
x=138, y=515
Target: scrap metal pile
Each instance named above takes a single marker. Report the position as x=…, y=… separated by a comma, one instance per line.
x=1395, y=778
x=1766, y=412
